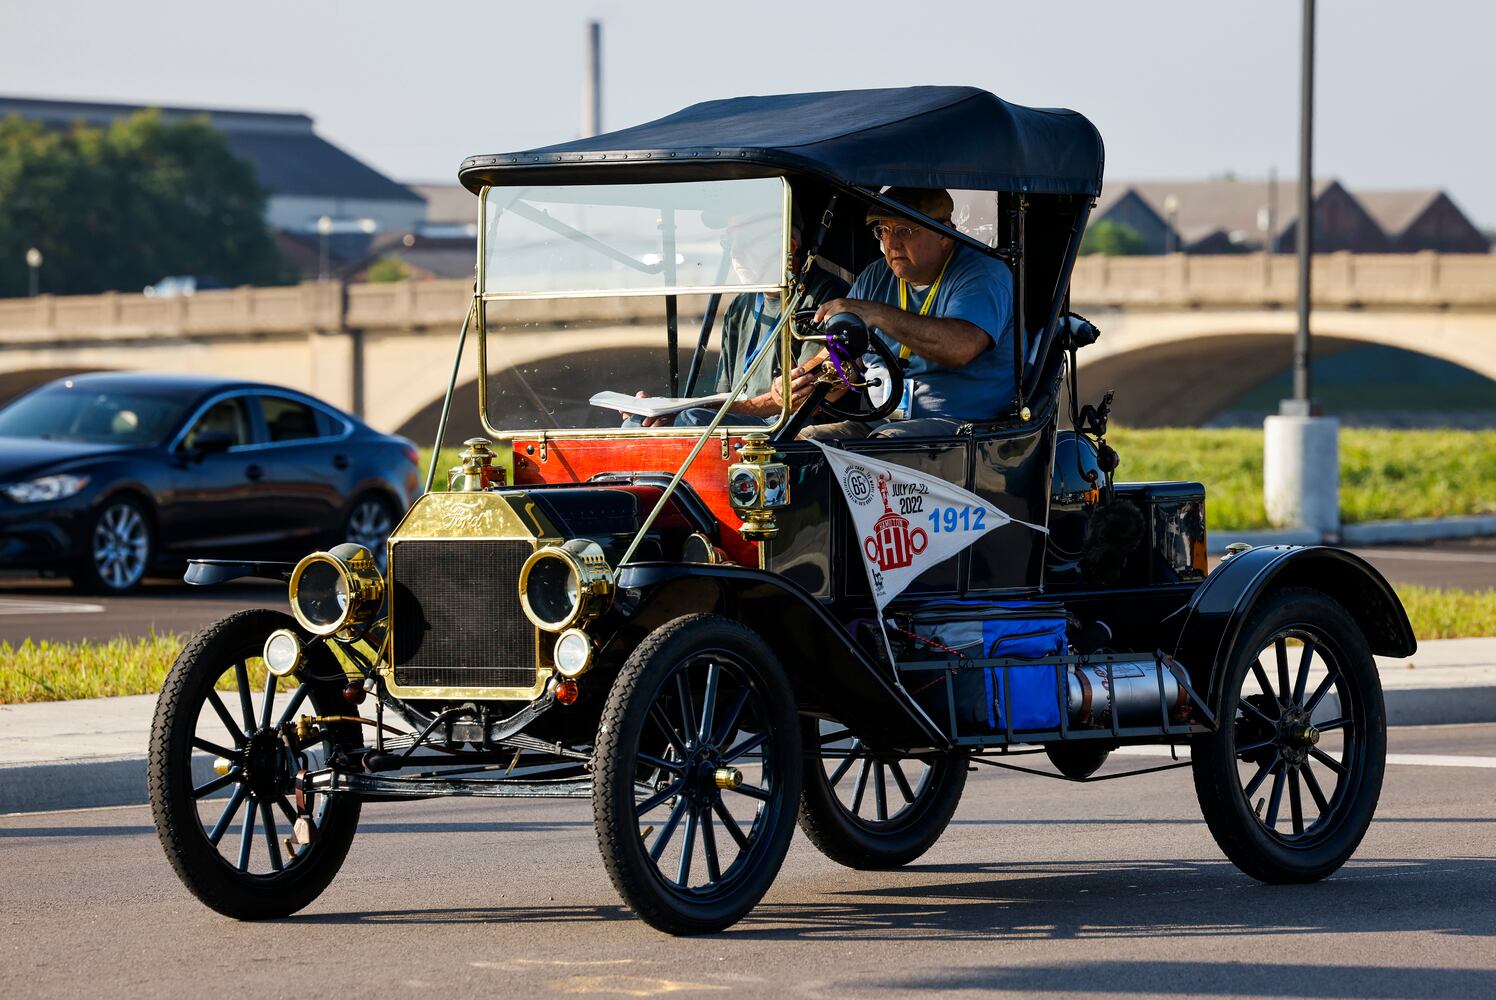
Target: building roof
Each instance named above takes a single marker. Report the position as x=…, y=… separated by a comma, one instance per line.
x=1225, y=206
x=448, y=204
x=289, y=156
x=1395, y=211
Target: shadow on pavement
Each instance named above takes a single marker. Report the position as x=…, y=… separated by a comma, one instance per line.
x=1029, y=901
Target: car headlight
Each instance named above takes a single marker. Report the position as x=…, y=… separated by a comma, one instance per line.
x=337, y=589
x=565, y=585
x=46, y=488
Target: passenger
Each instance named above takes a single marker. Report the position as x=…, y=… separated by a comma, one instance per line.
x=748, y=324
x=946, y=310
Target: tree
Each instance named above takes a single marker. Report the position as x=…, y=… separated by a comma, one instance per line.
x=119, y=208
x=388, y=268
x=1112, y=239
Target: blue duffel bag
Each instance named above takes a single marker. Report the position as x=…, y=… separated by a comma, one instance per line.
x=967, y=630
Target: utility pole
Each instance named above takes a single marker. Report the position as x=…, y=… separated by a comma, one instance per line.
x=592, y=81
x=1300, y=449
x=1301, y=399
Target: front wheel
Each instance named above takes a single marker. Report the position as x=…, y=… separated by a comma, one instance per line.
x=221, y=772
x=697, y=775
x=117, y=550
x=1289, y=782
x=874, y=810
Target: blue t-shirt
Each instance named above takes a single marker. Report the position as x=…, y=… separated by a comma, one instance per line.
x=975, y=288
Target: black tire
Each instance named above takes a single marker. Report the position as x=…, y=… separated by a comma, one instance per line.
x=117, y=549
x=1264, y=736
x=259, y=789
x=888, y=838
x=655, y=752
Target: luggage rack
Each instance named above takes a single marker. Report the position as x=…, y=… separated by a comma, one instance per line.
x=1067, y=732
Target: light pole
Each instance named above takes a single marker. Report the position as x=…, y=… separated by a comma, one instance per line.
x=324, y=229
x=1300, y=449
x=34, y=263
x=1171, y=219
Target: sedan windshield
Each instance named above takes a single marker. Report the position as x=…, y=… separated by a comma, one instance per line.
x=74, y=413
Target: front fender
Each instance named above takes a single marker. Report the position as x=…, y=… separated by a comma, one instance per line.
x=829, y=672
x=1217, y=611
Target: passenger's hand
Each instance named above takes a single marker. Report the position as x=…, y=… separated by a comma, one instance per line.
x=802, y=380
x=665, y=421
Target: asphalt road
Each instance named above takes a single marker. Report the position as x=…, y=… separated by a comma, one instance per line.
x=33, y=608
x=1038, y=889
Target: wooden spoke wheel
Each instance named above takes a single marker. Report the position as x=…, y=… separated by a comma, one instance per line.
x=873, y=810
x=222, y=772
x=697, y=774
x=1290, y=781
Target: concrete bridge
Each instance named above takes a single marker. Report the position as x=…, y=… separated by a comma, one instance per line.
x=1182, y=336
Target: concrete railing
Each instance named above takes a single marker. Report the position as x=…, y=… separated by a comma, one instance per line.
x=1177, y=281
x=1343, y=280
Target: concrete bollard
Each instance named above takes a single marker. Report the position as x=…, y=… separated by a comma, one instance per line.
x=1301, y=473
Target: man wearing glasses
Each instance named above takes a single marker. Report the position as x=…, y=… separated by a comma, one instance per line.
x=944, y=309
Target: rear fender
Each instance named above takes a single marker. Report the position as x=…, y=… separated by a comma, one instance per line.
x=1216, y=613
x=829, y=672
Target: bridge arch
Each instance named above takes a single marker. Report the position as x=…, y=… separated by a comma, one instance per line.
x=1172, y=374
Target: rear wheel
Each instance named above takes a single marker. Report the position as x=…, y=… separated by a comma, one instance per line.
x=369, y=523
x=1289, y=782
x=221, y=772
x=697, y=775
x=873, y=810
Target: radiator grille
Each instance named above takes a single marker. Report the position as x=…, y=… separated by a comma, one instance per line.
x=457, y=618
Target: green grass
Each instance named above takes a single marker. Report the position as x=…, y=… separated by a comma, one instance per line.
x=61, y=671
x=1449, y=614
x=1383, y=473
x=449, y=458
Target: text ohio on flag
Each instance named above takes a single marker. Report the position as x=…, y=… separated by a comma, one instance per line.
x=905, y=521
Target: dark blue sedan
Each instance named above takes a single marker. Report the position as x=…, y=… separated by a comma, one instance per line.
x=109, y=477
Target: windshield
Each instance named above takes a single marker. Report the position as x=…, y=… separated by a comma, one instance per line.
x=72, y=413
x=634, y=239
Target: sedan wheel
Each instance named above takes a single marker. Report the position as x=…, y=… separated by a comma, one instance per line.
x=369, y=524
x=119, y=549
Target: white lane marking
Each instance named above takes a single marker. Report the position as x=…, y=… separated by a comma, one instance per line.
x=1410, y=759
x=10, y=606
x=1424, y=555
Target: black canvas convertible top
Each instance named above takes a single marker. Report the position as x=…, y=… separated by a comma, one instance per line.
x=951, y=137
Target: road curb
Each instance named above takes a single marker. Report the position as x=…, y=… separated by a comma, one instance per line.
x=1430, y=529
x=72, y=784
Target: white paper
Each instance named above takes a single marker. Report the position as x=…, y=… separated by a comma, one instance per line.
x=653, y=406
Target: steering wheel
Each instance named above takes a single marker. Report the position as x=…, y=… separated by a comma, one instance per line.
x=847, y=340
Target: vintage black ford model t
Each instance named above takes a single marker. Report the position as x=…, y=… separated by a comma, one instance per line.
x=674, y=621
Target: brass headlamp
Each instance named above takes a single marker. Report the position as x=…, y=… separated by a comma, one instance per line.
x=562, y=586
x=335, y=590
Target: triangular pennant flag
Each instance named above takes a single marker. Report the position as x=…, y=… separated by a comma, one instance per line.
x=906, y=521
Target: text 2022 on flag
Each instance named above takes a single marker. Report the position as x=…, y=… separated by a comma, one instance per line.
x=905, y=521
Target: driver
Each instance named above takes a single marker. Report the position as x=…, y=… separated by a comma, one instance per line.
x=946, y=311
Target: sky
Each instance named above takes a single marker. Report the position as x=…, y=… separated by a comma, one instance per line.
x=1178, y=88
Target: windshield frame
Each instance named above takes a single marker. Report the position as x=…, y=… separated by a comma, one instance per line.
x=782, y=332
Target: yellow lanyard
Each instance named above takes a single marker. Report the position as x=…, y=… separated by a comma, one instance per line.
x=924, y=310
